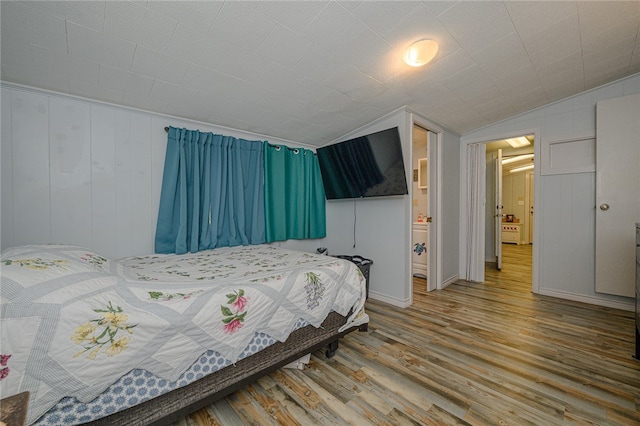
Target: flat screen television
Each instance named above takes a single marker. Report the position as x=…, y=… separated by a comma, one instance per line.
x=367, y=166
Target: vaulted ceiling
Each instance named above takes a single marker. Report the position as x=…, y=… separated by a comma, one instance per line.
x=311, y=71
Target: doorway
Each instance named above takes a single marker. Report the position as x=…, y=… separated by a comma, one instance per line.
x=420, y=208
x=509, y=205
x=425, y=207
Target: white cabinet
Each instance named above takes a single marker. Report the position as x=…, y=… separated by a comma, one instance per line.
x=511, y=233
x=419, y=256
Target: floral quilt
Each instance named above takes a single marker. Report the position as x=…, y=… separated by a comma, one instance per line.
x=73, y=321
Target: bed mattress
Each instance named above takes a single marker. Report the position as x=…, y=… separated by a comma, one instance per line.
x=89, y=335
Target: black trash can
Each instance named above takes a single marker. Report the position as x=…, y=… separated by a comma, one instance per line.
x=362, y=263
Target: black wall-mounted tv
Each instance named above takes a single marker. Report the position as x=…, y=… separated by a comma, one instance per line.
x=368, y=166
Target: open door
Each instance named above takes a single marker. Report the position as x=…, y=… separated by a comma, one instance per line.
x=499, y=207
x=529, y=184
x=617, y=194
x=424, y=240
x=421, y=246
x=433, y=200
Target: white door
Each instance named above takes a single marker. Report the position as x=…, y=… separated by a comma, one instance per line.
x=432, y=194
x=499, y=207
x=423, y=244
x=617, y=193
x=529, y=206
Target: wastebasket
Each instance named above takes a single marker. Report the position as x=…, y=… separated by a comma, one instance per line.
x=362, y=263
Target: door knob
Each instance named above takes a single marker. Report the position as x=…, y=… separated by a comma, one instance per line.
x=604, y=207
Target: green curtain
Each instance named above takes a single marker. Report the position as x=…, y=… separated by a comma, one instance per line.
x=294, y=195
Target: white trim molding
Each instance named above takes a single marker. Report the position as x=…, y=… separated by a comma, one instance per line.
x=560, y=156
x=615, y=304
x=390, y=300
x=450, y=281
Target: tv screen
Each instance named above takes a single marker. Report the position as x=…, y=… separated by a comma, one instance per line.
x=368, y=166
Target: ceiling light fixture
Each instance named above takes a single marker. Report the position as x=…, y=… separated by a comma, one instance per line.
x=517, y=158
x=521, y=169
x=421, y=53
x=518, y=142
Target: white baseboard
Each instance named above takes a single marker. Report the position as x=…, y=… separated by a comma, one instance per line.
x=616, y=304
x=451, y=280
x=390, y=300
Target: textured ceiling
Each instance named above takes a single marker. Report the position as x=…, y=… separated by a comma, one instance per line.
x=311, y=71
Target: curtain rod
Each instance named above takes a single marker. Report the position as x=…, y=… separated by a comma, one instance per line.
x=278, y=147
x=296, y=150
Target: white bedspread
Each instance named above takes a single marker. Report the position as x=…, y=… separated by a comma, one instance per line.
x=73, y=321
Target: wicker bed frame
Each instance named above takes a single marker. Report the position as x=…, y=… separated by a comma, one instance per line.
x=178, y=403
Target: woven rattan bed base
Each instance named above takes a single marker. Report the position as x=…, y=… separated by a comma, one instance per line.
x=169, y=407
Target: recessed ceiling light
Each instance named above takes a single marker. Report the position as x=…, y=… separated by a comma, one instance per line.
x=516, y=158
x=518, y=142
x=523, y=168
x=421, y=53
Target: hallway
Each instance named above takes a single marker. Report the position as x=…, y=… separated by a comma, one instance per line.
x=516, y=267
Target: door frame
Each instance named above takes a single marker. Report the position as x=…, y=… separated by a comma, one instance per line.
x=434, y=279
x=536, y=200
x=420, y=153
x=498, y=209
x=530, y=183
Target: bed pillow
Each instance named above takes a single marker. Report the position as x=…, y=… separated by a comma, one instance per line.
x=31, y=265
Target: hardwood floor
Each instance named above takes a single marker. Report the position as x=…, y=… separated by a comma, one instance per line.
x=481, y=354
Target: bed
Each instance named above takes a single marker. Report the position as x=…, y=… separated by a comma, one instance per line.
x=148, y=339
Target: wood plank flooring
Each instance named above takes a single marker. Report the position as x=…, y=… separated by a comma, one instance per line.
x=480, y=354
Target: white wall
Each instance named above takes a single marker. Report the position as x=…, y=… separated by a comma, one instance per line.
x=382, y=227
x=81, y=172
x=565, y=203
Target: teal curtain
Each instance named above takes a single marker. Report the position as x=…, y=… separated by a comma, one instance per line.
x=294, y=194
x=212, y=193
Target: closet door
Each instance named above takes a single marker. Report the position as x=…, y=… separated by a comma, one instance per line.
x=617, y=193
